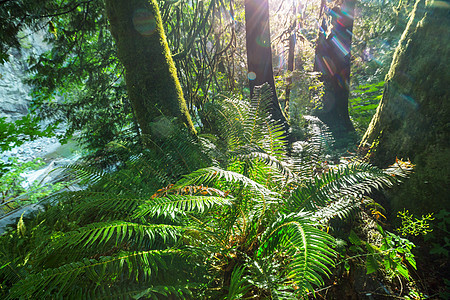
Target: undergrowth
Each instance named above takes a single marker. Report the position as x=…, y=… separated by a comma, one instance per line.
x=236, y=219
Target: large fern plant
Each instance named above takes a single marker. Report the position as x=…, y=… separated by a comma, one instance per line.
x=249, y=226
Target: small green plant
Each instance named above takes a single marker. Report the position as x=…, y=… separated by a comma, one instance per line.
x=413, y=294
x=416, y=226
x=396, y=253
x=393, y=254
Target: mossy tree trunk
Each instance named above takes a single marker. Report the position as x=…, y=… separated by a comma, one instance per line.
x=259, y=52
x=413, y=118
x=333, y=61
x=151, y=77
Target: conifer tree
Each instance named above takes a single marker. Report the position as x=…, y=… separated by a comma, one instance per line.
x=152, y=83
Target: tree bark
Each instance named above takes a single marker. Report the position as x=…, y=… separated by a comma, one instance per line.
x=259, y=52
x=413, y=118
x=290, y=65
x=333, y=61
x=151, y=76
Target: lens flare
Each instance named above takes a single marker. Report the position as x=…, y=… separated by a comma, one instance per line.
x=441, y=4
x=251, y=75
x=410, y=100
x=342, y=82
x=330, y=65
x=263, y=41
x=144, y=22
x=281, y=59
x=340, y=46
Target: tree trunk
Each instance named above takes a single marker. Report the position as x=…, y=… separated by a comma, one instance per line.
x=259, y=52
x=333, y=61
x=290, y=65
x=151, y=76
x=412, y=120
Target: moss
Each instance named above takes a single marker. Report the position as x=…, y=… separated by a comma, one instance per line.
x=151, y=76
x=414, y=112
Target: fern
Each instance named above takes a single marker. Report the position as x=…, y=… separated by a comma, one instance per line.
x=165, y=223
x=352, y=180
x=238, y=285
x=113, y=234
x=179, y=291
x=58, y=282
x=210, y=175
x=309, y=248
x=252, y=153
x=173, y=205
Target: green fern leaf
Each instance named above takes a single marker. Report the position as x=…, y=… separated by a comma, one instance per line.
x=309, y=249
x=173, y=205
x=59, y=282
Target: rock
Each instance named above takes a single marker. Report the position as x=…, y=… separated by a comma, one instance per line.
x=14, y=94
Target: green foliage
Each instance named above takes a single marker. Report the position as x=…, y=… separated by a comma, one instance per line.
x=89, y=239
x=88, y=92
x=11, y=184
x=397, y=255
x=80, y=80
x=363, y=104
x=392, y=254
x=233, y=216
x=27, y=128
x=10, y=30
x=305, y=95
x=251, y=225
x=15, y=192
x=439, y=237
x=238, y=284
x=11, y=181
x=295, y=236
x=416, y=226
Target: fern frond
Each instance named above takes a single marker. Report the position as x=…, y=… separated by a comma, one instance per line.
x=58, y=282
x=321, y=137
x=228, y=117
x=210, y=175
x=275, y=139
x=173, y=205
x=114, y=233
x=266, y=277
x=342, y=209
x=257, y=114
x=252, y=152
x=10, y=271
x=180, y=291
x=91, y=176
x=238, y=284
x=308, y=248
x=351, y=180
x=104, y=205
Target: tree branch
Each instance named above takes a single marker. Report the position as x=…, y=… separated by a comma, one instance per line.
x=60, y=13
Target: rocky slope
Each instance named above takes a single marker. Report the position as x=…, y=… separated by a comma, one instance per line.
x=14, y=93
